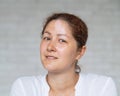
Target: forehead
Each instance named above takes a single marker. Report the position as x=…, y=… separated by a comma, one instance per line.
x=58, y=26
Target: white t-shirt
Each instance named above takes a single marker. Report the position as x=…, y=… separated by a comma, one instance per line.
x=87, y=85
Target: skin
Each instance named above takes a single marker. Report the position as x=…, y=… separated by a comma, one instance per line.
x=58, y=50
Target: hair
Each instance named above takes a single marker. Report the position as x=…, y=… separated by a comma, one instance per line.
x=78, y=27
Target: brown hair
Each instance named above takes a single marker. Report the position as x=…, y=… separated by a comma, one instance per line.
x=79, y=29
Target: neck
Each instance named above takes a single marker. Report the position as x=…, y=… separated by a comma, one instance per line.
x=62, y=82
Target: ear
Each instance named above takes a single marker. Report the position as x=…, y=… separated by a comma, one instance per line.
x=81, y=52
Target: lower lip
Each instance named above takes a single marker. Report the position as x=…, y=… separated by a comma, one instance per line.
x=51, y=58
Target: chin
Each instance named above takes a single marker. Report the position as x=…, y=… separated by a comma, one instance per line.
x=51, y=69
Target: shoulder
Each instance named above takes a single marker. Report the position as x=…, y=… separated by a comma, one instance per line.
x=96, y=78
x=103, y=85
x=27, y=80
x=24, y=85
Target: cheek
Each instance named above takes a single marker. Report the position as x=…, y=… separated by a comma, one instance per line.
x=67, y=52
x=42, y=47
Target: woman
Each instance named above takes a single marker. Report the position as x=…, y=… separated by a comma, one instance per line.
x=63, y=43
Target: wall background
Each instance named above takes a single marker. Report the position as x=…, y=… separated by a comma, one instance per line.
x=20, y=26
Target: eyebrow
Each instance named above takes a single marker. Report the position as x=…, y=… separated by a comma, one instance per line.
x=47, y=32
x=63, y=35
x=57, y=34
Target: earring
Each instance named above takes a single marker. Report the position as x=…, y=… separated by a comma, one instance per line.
x=77, y=67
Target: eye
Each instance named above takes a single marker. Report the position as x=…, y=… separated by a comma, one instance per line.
x=46, y=38
x=62, y=41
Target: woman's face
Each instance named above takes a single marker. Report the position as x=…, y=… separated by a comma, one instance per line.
x=58, y=47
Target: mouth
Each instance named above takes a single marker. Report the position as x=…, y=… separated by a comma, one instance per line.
x=50, y=57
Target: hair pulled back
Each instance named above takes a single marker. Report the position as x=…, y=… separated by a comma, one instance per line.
x=78, y=28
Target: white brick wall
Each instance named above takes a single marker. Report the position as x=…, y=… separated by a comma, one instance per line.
x=21, y=23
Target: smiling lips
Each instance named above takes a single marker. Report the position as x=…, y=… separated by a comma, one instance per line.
x=50, y=57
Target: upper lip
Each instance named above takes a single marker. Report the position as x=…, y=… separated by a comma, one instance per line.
x=51, y=56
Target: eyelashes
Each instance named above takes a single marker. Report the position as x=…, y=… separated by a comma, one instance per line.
x=48, y=39
x=61, y=40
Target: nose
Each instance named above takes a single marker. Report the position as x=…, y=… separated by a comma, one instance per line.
x=51, y=46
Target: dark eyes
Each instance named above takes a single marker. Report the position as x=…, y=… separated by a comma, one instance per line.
x=59, y=40
x=46, y=38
